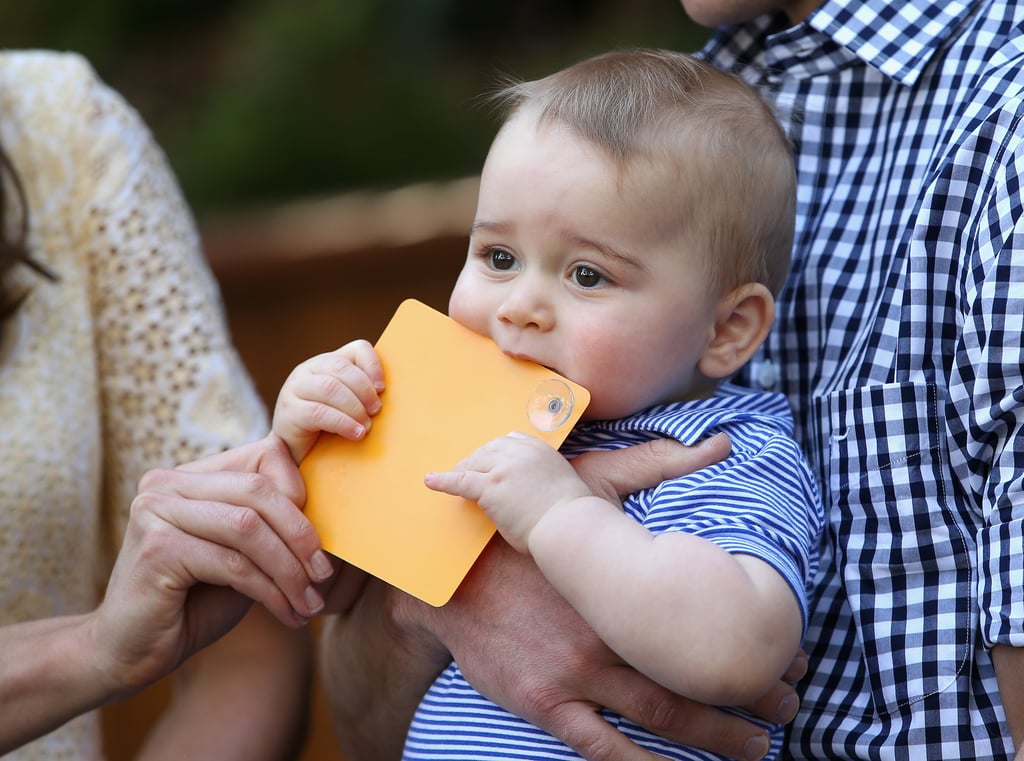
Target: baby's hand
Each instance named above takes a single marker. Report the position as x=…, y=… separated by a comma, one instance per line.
x=515, y=479
x=337, y=392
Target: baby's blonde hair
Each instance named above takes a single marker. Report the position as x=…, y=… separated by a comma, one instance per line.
x=730, y=162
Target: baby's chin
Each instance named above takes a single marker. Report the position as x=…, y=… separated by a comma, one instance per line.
x=597, y=410
x=604, y=408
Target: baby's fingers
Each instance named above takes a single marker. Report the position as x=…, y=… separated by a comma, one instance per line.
x=362, y=354
x=350, y=380
x=337, y=392
x=467, y=484
x=325, y=403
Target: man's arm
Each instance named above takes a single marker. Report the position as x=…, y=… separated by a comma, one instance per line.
x=1009, y=665
x=376, y=664
x=521, y=645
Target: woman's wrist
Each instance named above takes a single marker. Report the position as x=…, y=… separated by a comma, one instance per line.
x=48, y=675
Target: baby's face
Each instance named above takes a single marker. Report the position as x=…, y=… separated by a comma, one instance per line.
x=576, y=267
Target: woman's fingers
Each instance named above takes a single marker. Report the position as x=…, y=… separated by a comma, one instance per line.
x=260, y=476
x=209, y=563
x=218, y=539
x=240, y=508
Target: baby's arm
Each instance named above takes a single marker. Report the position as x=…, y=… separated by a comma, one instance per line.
x=709, y=625
x=337, y=392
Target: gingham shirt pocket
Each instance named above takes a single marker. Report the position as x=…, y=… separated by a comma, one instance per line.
x=907, y=569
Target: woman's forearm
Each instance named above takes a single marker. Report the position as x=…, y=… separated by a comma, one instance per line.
x=48, y=675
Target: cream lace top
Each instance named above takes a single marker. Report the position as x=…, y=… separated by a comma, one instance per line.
x=122, y=365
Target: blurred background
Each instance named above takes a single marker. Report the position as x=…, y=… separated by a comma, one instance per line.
x=303, y=133
x=264, y=100
x=329, y=150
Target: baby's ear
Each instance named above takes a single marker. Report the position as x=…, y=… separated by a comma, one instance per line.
x=743, y=319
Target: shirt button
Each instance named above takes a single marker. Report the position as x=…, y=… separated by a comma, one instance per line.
x=766, y=375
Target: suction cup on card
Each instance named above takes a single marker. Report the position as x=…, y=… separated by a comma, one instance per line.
x=550, y=405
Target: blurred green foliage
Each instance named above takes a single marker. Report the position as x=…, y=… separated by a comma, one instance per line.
x=262, y=100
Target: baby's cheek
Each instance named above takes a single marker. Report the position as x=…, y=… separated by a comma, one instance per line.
x=607, y=374
x=468, y=310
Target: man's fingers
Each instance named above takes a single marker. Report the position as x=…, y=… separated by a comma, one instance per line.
x=781, y=703
x=627, y=692
x=584, y=730
x=797, y=668
x=617, y=473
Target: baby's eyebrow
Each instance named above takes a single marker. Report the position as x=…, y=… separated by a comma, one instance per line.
x=605, y=249
x=491, y=226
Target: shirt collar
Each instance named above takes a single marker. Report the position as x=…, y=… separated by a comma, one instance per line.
x=898, y=39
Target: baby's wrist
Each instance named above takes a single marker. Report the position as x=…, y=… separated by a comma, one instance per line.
x=565, y=519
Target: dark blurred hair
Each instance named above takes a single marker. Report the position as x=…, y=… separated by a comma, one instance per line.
x=13, y=250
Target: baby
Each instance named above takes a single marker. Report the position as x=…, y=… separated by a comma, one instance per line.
x=634, y=221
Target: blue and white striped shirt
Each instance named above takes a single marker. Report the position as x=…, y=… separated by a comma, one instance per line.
x=762, y=500
x=900, y=344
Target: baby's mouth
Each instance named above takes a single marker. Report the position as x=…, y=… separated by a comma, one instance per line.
x=527, y=358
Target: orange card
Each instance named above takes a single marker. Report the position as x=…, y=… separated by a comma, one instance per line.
x=447, y=391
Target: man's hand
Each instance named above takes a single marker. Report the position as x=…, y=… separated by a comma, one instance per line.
x=519, y=643
x=1009, y=666
x=614, y=475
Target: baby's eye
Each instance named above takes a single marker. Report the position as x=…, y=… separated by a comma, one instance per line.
x=587, y=277
x=500, y=259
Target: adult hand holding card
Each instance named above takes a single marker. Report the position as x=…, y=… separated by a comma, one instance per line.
x=448, y=391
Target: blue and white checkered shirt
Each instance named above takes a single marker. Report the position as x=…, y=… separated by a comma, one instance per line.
x=900, y=343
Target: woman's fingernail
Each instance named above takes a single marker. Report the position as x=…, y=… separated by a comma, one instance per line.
x=757, y=747
x=314, y=601
x=321, y=566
